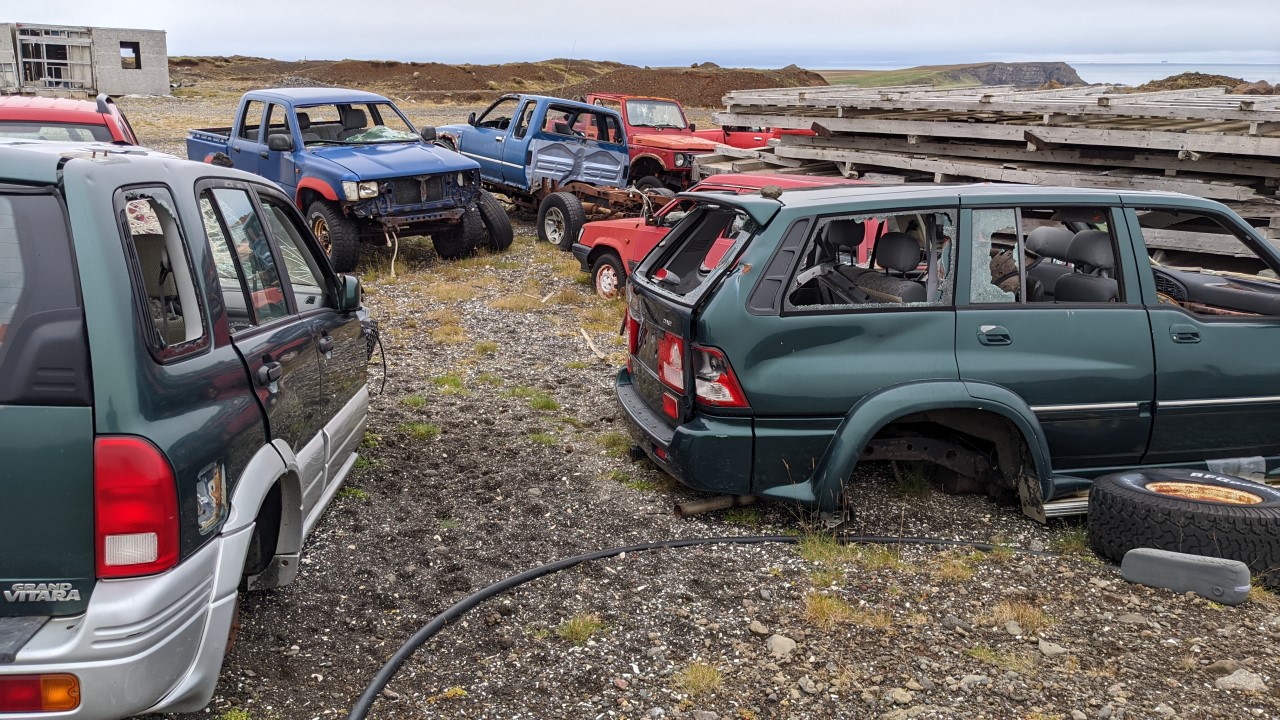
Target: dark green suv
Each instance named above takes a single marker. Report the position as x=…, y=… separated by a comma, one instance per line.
x=1024, y=340
x=182, y=390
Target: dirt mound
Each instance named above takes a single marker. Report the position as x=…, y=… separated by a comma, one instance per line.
x=695, y=87
x=1190, y=80
x=702, y=86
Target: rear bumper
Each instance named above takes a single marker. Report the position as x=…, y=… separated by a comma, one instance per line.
x=147, y=644
x=581, y=253
x=708, y=453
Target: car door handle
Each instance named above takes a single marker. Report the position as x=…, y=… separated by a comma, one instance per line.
x=264, y=154
x=994, y=335
x=1184, y=333
x=325, y=344
x=498, y=139
x=236, y=148
x=269, y=373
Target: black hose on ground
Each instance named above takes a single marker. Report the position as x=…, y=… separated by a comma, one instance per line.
x=364, y=704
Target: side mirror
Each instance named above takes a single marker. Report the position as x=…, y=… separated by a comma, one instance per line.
x=429, y=134
x=279, y=143
x=471, y=119
x=693, y=127
x=348, y=293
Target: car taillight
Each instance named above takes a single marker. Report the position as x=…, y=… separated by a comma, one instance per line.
x=715, y=382
x=135, y=508
x=58, y=692
x=633, y=334
x=671, y=361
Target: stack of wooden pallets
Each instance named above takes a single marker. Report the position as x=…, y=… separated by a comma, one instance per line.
x=1203, y=142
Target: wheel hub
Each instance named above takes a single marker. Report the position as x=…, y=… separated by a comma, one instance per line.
x=1209, y=493
x=607, y=281
x=320, y=229
x=553, y=225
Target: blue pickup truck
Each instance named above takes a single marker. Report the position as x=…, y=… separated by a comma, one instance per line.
x=567, y=160
x=358, y=170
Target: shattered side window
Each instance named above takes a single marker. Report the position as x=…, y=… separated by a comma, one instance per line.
x=994, y=268
x=889, y=259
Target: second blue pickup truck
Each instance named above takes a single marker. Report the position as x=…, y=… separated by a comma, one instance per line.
x=358, y=170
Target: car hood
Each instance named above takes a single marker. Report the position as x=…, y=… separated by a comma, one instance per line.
x=389, y=160
x=681, y=143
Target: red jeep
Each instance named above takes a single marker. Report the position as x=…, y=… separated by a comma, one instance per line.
x=26, y=117
x=660, y=141
x=609, y=249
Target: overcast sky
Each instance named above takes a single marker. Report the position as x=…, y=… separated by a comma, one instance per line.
x=760, y=33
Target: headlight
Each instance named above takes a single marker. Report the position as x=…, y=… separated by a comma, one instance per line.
x=679, y=160
x=354, y=191
x=461, y=180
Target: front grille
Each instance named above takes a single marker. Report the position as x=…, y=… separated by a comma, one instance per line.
x=414, y=191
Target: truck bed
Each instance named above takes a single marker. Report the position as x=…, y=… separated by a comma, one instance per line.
x=201, y=143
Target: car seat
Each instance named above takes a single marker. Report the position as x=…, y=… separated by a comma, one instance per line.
x=354, y=122
x=304, y=128
x=895, y=252
x=1092, y=282
x=1050, y=243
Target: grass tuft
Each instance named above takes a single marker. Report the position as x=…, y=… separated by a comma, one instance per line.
x=543, y=438
x=824, y=549
x=516, y=303
x=744, y=516
x=486, y=347
x=1019, y=661
x=616, y=444
x=952, y=568
x=451, y=385
x=699, y=679
x=579, y=628
x=1072, y=542
x=826, y=611
x=353, y=493
x=449, y=334
x=420, y=430
x=448, y=292
x=489, y=379
x=1031, y=618
x=543, y=401
x=416, y=402
x=1264, y=597
x=578, y=365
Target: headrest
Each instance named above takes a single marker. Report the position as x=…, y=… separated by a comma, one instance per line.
x=561, y=128
x=897, y=251
x=845, y=233
x=352, y=118
x=304, y=121
x=1049, y=241
x=1093, y=248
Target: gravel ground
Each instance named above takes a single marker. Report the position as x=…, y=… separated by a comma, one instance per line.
x=498, y=446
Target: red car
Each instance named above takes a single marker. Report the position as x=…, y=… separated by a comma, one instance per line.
x=609, y=249
x=747, y=138
x=27, y=117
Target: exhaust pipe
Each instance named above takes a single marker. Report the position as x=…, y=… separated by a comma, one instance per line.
x=721, y=502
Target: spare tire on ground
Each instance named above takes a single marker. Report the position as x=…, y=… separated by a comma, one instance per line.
x=1188, y=511
x=496, y=222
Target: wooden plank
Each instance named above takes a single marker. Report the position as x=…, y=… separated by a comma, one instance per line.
x=1144, y=97
x=1212, y=243
x=1146, y=139
x=1029, y=174
x=1094, y=157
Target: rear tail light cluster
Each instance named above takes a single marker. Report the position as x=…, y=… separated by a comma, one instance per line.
x=715, y=382
x=671, y=361
x=135, y=508
x=58, y=692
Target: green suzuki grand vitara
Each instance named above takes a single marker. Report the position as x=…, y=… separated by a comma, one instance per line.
x=182, y=391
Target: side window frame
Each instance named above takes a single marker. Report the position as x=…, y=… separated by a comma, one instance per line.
x=326, y=270
x=1247, y=235
x=161, y=352
x=524, y=115
x=244, y=121
x=1131, y=292
x=783, y=305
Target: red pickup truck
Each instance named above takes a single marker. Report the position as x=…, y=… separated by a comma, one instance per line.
x=660, y=140
x=609, y=249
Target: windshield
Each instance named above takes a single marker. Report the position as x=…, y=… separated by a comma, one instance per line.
x=655, y=113
x=353, y=124
x=34, y=130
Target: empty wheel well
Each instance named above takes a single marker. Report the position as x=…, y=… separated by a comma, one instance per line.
x=306, y=197
x=644, y=167
x=977, y=451
x=266, y=533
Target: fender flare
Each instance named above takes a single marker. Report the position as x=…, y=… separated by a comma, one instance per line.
x=320, y=186
x=273, y=464
x=876, y=410
x=662, y=166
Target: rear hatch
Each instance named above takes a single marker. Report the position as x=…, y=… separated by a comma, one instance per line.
x=46, y=422
x=667, y=367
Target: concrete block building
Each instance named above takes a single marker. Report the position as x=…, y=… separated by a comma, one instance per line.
x=68, y=60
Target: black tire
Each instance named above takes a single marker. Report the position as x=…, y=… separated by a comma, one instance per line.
x=463, y=238
x=446, y=143
x=337, y=234
x=563, y=211
x=665, y=192
x=650, y=182
x=1151, y=509
x=496, y=222
x=608, y=268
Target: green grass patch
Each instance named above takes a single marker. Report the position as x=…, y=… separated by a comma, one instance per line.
x=522, y=391
x=825, y=550
x=489, y=379
x=1072, y=542
x=371, y=439
x=542, y=401
x=826, y=611
x=420, y=430
x=578, y=365
x=416, y=402
x=579, y=628
x=744, y=516
x=451, y=385
x=543, y=438
x=699, y=679
x=616, y=444
x=449, y=524
x=353, y=493
x=486, y=347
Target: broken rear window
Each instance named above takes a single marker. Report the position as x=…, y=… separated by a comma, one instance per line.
x=698, y=249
